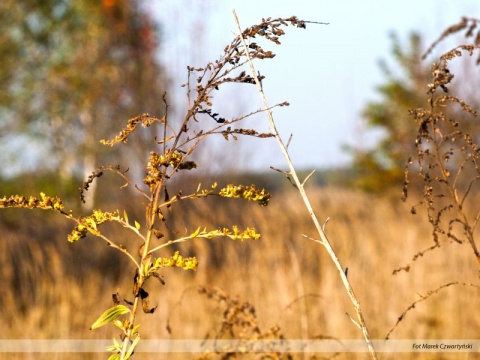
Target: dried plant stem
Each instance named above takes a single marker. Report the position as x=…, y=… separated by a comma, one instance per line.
x=453, y=190
x=300, y=186
x=423, y=298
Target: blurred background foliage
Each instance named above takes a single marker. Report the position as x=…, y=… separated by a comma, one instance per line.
x=72, y=73
x=380, y=169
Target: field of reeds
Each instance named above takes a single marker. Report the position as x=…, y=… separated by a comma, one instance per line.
x=53, y=289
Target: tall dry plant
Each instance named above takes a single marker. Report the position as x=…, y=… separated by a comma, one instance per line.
x=292, y=176
x=448, y=153
x=447, y=160
x=173, y=150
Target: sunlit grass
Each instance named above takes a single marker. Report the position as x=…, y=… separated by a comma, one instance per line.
x=54, y=296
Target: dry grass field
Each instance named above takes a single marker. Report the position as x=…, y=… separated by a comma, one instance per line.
x=52, y=289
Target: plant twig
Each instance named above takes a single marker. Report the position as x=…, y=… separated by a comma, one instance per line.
x=324, y=241
x=423, y=298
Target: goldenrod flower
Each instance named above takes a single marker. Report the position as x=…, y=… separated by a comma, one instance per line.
x=246, y=192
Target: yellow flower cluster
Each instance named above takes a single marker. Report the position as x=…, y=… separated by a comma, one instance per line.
x=235, y=233
x=153, y=167
x=89, y=224
x=45, y=202
x=248, y=233
x=175, y=158
x=246, y=192
x=156, y=160
x=189, y=263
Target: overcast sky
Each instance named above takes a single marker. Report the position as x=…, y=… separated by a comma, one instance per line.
x=327, y=72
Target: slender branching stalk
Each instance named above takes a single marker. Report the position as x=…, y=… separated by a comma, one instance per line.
x=448, y=152
x=424, y=298
x=292, y=174
x=447, y=159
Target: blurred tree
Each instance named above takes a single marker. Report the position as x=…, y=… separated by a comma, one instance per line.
x=382, y=167
x=72, y=72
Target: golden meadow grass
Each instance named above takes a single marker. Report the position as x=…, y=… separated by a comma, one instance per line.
x=59, y=290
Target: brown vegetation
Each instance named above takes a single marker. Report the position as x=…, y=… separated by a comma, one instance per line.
x=52, y=289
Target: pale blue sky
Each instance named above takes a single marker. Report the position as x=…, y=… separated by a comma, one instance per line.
x=327, y=73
